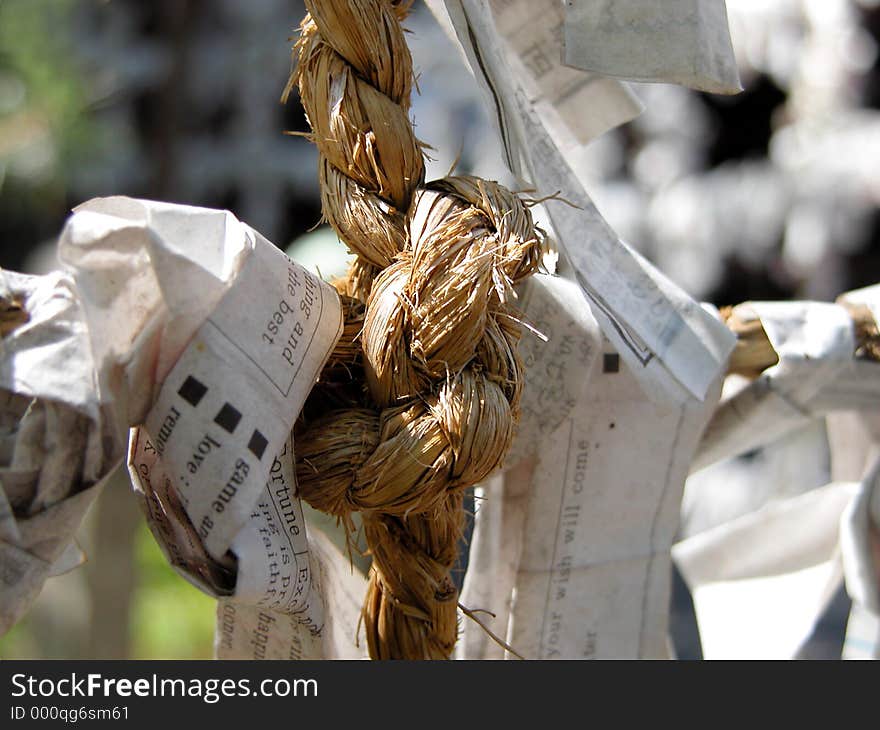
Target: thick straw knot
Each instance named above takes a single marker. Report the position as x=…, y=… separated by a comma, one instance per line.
x=469, y=242
x=420, y=398
x=406, y=459
x=439, y=343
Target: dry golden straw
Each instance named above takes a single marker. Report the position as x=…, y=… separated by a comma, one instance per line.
x=419, y=400
x=12, y=315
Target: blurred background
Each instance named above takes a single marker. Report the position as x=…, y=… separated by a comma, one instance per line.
x=771, y=194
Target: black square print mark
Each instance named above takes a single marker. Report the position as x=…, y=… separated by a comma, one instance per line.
x=610, y=362
x=227, y=418
x=192, y=390
x=257, y=444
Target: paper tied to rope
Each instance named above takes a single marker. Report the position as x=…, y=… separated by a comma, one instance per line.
x=557, y=354
x=672, y=345
x=762, y=580
x=816, y=373
x=571, y=543
x=864, y=307
x=57, y=447
x=242, y=333
x=208, y=339
x=868, y=296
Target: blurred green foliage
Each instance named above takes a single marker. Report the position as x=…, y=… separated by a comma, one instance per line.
x=44, y=131
x=22, y=642
x=47, y=131
x=170, y=619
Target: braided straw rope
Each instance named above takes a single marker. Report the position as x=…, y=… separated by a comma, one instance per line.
x=419, y=400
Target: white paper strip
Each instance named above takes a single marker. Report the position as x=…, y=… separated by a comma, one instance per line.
x=683, y=42
x=582, y=532
x=576, y=105
x=557, y=351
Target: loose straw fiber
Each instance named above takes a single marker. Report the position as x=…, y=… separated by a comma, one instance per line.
x=419, y=401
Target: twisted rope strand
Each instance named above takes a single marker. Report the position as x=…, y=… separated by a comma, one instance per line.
x=420, y=399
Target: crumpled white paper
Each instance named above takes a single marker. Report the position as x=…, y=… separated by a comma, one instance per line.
x=186, y=323
x=816, y=373
x=56, y=444
x=147, y=275
x=761, y=581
